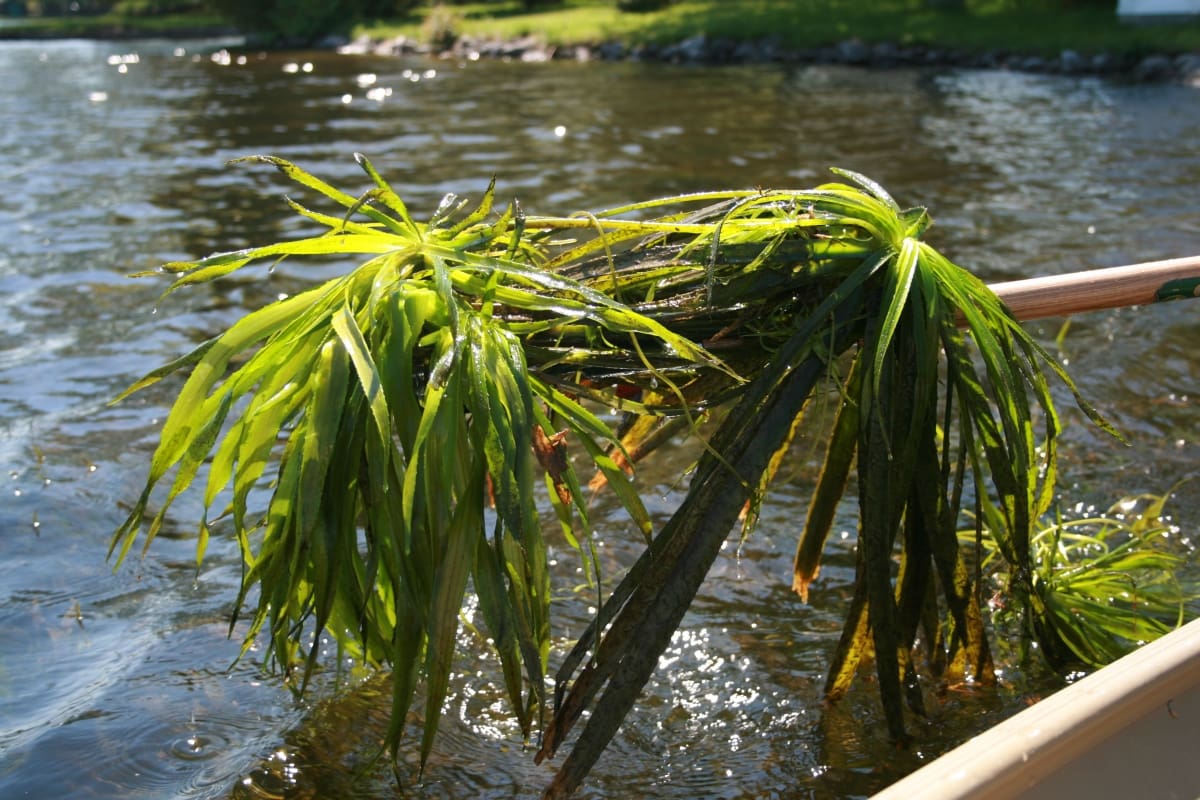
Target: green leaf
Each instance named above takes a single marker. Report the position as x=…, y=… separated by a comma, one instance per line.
x=388, y=196
x=459, y=547
x=895, y=301
x=831, y=486
x=398, y=398
x=352, y=340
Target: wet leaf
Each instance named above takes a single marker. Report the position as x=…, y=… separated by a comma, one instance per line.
x=382, y=408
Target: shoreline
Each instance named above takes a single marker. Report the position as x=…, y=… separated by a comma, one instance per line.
x=703, y=50
x=697, y=50
x=116, y=32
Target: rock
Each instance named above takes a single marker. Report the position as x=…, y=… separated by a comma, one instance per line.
x=853, y=51
x=720, y=51
x=537, y=55
x=397, y=46
x=991, y=59
x=1032, y=64
x=1071, y=62
x=1103, y=63
x=646, y=52
x=823, y=55
x=1187, y=66
x=701, y=49
x=691, y=50
x=581, y=53
x=758, y=51
x=960, y=58
x=932, y=57
x=491, y=48
x=1152, y=68
x=612, y=51
x=526, y=48
x=360, y=46
x=885, y=54
x=331, y=41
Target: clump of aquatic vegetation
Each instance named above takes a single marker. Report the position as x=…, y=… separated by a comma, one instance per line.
x=405, y=415
x=1103, y=583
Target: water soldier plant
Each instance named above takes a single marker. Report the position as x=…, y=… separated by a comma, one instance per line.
x=404, y=415
x=1108, y=582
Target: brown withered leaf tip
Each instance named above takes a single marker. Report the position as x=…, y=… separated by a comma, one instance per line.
x=551, y=452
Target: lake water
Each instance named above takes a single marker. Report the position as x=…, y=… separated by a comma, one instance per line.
x=118, y=684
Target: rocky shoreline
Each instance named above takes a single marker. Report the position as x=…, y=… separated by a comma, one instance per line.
x=712, y=50
x=701, y=49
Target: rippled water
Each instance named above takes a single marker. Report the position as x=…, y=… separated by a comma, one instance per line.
x=112, y=160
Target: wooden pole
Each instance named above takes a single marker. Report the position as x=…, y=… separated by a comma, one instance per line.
x=1093, y=290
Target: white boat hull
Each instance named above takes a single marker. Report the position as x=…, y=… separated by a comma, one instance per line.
x=1131, y=729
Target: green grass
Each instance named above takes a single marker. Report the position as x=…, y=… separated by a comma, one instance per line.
x=1018, y=26
x=1030, y=27
x=113, y=25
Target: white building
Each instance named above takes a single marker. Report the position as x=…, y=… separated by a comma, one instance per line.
x=1134, y=10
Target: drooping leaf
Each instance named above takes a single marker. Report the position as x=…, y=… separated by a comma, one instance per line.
x=464, y=358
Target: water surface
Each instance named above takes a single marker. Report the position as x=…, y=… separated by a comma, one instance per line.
x=118, y=684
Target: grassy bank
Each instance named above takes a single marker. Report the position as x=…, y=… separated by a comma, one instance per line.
x=1016, y=26
x=116, y=26
x=1027, y=27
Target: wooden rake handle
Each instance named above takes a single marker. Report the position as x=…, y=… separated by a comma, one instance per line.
x=1093, y=290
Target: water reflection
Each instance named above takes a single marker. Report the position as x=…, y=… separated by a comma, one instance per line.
x=115, y=684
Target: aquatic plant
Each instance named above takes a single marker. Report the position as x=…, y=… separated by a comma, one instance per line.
x=410, y=409
x=1105, y=582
